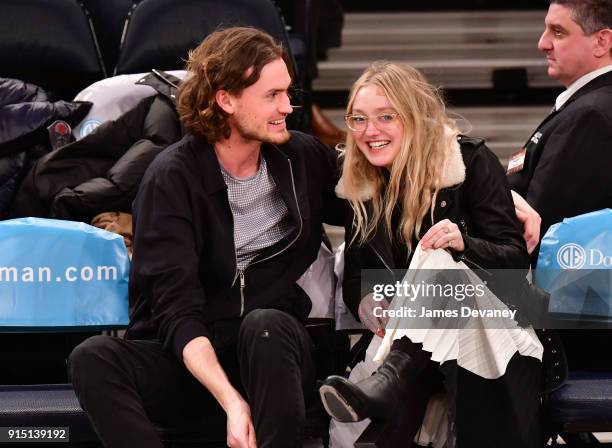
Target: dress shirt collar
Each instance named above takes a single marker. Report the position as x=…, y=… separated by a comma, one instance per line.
x=578, y=84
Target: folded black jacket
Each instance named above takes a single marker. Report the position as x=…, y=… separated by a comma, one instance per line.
x=25, y=113
x=102, y=171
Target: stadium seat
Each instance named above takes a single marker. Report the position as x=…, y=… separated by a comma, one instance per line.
x=582, y=406
x=580, y=298
x=584, y=403
x=49, y=43
x=108, y=18
x=56, y=405
x=72, y=299
x=46, y=405
x=160, y=33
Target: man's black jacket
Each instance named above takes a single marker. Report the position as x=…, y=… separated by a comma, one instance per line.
x=184, y=274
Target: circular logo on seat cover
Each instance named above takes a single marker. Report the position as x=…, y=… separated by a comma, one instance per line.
x=571, y=256
x=88, y=126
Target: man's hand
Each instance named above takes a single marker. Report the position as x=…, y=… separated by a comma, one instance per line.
x=200, y=359
x=240, y=431
x=366, y=314
x=531, y=221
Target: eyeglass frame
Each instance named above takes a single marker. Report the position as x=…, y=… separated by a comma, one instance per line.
x=377, y=124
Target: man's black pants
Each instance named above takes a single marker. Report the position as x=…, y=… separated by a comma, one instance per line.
x=128, y=386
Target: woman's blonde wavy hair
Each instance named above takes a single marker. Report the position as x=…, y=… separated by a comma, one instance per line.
x=417, y=170
x=231, y=60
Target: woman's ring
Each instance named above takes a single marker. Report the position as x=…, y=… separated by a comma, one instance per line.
x=450, y=243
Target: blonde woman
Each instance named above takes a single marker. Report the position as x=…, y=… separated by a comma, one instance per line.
x=411, y=179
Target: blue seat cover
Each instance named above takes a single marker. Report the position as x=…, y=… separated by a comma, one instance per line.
x=61, y=275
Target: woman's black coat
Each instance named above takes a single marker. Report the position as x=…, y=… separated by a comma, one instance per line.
x=481, y=205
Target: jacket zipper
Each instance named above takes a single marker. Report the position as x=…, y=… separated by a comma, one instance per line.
x=381, y=259
x=240, y=272
x=465, y=259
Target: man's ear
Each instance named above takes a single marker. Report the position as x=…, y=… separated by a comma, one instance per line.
x=603, y=43
x=225, y=100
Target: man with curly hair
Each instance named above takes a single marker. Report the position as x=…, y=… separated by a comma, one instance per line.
x=225, y=222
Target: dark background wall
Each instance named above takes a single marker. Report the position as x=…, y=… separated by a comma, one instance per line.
x=433, y=5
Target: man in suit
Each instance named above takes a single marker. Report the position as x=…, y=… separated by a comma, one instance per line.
x=564, y=169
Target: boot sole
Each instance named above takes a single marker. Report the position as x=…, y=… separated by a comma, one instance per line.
x=336, y=406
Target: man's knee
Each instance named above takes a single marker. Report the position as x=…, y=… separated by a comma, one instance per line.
x=265, y=323
x=89, y=359
x=268, y=333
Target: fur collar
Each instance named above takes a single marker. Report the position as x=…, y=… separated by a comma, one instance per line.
x=454, y=172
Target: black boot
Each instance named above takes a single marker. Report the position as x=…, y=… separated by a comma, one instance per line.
x=374, y=397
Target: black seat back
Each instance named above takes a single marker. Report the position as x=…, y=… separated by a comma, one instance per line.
x=108, y=19
x=160, y=33
x=49, y=43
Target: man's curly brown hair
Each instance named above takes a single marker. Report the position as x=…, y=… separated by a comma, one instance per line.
x=231, y=60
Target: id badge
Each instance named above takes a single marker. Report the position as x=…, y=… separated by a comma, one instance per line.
x=516, y=162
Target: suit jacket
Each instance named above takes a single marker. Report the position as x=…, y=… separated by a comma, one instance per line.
x=568, y=163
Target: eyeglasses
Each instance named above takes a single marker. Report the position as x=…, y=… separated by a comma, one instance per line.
x=359, y=123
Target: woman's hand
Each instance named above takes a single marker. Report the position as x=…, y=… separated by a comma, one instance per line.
x=366, y=314
x=442, y=235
